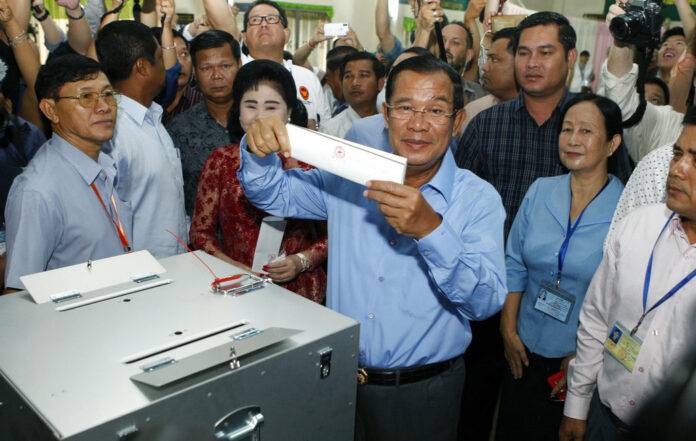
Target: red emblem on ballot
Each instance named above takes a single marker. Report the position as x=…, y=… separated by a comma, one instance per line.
x=340, y=152
x=304, y=93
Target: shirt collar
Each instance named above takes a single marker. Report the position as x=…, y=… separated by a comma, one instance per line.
x=83, y=164
x=138, y=112
x=443, y=181
x=518, y=101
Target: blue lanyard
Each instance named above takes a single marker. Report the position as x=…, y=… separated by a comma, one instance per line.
x=646, y=285
x=569, y=232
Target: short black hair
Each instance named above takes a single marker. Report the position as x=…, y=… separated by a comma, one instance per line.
x=427, y=64
x=419, y=51
x=212, y=39
x=690, y=117
x=566, y=33
x=334, y=59
x=120, y=44
x=377, y=66
x=613, y=123
x=671, y=32
x=658, y=82
x=281, y=12
x=249, y=77
x=510, y=34
x=64, y=69
x=585, y=53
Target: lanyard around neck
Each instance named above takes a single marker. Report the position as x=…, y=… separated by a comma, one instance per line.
x=118, y=225
x=569, y=233
x=646, y=284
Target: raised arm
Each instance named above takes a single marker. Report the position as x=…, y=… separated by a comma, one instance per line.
x=688, y=19
x=53, y=35
x=473, y=11
x=79, y=35
x=383, y=27
x=220, y=16
x=167, y=8
x=303, y=52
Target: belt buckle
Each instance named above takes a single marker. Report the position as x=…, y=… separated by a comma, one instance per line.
x=362, y=376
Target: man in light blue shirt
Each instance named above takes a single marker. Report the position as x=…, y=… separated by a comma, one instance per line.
x=413, y=263
x=149, y=167
x=63, y=209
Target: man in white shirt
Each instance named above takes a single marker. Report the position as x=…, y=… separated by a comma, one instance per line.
x=582, y=74
x=362, y=78
x=149, y=167
x=265, y=35
x=636, y=320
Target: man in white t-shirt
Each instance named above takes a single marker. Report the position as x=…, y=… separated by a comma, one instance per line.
x=265, y=35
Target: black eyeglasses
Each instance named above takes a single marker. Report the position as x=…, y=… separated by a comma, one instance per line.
x=258, y=19
x=89, y=100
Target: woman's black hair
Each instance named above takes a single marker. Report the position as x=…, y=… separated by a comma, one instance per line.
x=276, y=76
x=611, y=114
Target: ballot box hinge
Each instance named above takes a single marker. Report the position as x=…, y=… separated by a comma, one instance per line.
x=158, y=364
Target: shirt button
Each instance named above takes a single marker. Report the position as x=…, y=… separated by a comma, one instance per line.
x=655, y=333
x=640, y=369
x=371, y=315
x=381, y=279
x=555, y=254
x=426, y=253
x=632, y=403
x=392, y=242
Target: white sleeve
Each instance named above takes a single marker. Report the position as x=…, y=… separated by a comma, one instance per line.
x=660, y=125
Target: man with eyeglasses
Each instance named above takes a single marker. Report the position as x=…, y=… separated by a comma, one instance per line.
x=265, y=35
x=414, y=263
x=63, y=209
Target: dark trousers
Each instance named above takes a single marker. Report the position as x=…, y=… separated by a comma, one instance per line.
x=601, y=424
x=485, y=363
x=526, y=412
x=424, y=410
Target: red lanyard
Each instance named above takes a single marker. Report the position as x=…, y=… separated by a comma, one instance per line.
x=117, y=225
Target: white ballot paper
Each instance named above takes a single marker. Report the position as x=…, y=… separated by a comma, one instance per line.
x=268, y=243
x=346, y=159
x=91, y=276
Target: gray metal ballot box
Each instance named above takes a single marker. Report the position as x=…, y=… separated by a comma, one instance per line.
x=177, y=362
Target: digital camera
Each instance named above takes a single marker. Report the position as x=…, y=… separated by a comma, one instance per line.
x=640, y=25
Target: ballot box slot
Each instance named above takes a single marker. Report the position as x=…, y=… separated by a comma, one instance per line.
x=134, y=358
x=103, y=295
x=165, y=371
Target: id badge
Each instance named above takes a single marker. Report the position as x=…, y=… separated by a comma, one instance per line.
x=554, y=302
x=623, y=346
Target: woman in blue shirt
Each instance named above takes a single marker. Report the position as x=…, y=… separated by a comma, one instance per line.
x=553, y=250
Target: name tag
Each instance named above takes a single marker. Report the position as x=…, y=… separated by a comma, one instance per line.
x=554, y=302
x=623, y=346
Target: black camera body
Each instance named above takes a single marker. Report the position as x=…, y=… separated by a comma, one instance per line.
x=640, y=25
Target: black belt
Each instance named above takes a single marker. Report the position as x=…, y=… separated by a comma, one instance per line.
x=396, y=377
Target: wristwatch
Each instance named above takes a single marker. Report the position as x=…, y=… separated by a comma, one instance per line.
x=39, y=16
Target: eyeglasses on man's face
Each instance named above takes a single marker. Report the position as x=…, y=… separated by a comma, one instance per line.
x=89, y=100
x=434, y=114
x=258, y=19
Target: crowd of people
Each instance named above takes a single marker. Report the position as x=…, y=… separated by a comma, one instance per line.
x=537, y=258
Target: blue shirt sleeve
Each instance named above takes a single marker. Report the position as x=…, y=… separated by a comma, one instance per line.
x=289, y=193
x=517, y=273
x=166, y=96
x=31, y=235
x=468, y=266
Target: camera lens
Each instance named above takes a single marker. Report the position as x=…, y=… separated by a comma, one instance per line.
x=626, y=27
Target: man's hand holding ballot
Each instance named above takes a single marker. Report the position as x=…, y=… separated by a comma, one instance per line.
x=413, y=257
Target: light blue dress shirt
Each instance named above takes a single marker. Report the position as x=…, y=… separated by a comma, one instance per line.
x=53, y=217
x=532, y=257
x=413, y=298
x=372, y=132
x=149, y=177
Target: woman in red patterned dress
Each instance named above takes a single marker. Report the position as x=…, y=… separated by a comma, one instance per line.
x=261, y=88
